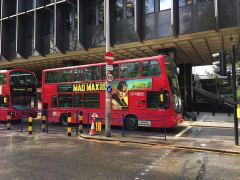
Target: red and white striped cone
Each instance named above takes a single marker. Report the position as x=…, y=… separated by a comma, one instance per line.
x=92, y=130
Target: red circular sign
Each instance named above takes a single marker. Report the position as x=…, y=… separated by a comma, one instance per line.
x=109, y=57
x=109, y=77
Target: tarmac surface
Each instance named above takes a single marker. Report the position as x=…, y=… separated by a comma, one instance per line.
x=219, y=142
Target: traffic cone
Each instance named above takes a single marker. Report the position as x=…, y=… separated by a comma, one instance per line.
x=92, y=130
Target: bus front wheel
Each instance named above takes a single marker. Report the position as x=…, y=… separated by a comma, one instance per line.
x=63, y=120
x=131, y=123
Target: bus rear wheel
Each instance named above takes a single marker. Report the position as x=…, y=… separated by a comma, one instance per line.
x=63, y=120
x=131, y=123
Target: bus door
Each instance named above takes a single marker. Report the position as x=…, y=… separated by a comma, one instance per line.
x=137, y=99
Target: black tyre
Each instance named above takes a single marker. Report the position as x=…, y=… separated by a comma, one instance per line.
x=63, y=120
x=131, y=123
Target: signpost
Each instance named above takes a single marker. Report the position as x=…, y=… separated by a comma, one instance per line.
x=109, y=58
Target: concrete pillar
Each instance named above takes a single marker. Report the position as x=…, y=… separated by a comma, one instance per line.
x=185, y=83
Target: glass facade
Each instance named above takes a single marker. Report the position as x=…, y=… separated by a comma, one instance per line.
x=149, y=6
x=61, y=26
x=165, y=4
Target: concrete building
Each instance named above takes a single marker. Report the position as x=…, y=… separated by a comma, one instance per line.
x=40, y=34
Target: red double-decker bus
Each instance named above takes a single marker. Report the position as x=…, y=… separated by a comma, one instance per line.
x=17, y=94
x=137, y=87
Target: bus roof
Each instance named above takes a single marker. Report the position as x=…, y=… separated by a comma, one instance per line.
x=100, y=64
x=17, y=69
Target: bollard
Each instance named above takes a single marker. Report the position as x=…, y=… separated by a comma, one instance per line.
x=80, y=122
x=43, y=123
x=30, y=125
x=9, y=121
x=69, y=129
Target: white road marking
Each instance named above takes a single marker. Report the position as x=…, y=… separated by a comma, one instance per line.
x=183, y=131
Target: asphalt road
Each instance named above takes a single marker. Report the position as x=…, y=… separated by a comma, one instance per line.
x=56, y=156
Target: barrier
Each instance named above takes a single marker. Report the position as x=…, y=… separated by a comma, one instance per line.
x=83, y=121
x=98, y=122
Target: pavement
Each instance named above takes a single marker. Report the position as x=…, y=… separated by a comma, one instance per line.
x=206, y=120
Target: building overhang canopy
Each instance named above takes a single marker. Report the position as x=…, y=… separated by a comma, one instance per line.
x=196, y=49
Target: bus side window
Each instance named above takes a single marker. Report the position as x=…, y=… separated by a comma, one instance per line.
x=65, y=100
x=103, y=72
x=51, y=77
x=130, y=70
x=151, y=68
x=153, y=100
x=91, y=101
x=92, y=73
x=78, y=74
x=115, y=71
x=54, y=101
x=2, y=79
x=77, y=100
x=65, y=75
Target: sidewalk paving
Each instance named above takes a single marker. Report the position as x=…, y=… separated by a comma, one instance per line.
x=199, y=144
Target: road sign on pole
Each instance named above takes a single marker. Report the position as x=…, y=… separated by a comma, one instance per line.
x=109, y=77
x=109, y=67
x=109, y=89
x=109, y=57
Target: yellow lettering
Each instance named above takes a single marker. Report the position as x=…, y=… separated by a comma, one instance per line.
x=75, y=87
x=97, y=87
x=93, y=87
x=83, y=87
x=79, y=88
x=89, y=87
x=103, y=86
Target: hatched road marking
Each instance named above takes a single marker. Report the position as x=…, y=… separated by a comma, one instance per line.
x=183, y=131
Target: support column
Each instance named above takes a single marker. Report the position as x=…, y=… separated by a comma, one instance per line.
x=185, y=82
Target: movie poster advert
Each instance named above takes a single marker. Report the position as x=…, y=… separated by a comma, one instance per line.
x=121, y=88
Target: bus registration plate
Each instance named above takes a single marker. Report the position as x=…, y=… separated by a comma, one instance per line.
x=144, y=123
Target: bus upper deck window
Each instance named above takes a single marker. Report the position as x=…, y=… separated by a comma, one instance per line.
x=51, y=76
x=2, y=79
x=130, y=70
x=78, y=74
x=151, y=68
